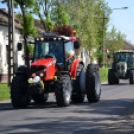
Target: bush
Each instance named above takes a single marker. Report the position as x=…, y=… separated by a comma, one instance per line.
x=104, y=74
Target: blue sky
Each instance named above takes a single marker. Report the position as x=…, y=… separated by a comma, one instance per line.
x=123, y=20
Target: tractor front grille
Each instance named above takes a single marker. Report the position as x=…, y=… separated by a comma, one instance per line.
x=35, y=69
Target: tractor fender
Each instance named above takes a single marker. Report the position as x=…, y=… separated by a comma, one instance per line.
x=22, y=70
x=74, y=66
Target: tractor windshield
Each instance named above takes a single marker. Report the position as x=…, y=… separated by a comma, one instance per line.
x=49, y=49
x=124, y=57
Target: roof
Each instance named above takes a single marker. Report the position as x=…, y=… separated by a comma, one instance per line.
x=4, y=21
x=124, y=51
x=128, y=46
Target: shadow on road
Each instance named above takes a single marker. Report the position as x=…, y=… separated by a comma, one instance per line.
x=105, y=117
x=121, y=84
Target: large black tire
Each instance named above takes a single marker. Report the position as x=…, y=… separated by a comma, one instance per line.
x=19, y=93
x=40, y=98
x=63, y=90
x=93, y=83
x=131, y=77
x=78, y=97
x=111, y=77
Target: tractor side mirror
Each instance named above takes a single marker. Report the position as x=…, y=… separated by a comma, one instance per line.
x=76, y=45
x=19, y=46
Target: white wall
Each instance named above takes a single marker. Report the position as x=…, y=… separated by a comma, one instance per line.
x=4, y=42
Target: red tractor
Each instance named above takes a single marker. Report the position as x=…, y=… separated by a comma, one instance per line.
x=54, y=68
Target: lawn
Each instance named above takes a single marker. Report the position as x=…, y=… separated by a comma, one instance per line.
x=4, y=92
x=104, y=74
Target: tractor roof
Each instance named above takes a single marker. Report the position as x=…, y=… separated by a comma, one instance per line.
x=125, y=51
x=55, y=37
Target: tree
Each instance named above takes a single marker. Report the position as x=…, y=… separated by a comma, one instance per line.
x=101, y=9
x=86, y=17
x=42, y=9
x=51, y=14
x=59, y=16
x=115, y=39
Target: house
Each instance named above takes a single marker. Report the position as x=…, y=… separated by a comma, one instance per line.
x=4, y=42
x=128, y=46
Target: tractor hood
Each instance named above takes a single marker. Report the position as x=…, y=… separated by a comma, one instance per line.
x=121, y=66
x=44, y=62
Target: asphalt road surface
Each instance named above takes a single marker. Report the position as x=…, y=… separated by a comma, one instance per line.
x=114, y=114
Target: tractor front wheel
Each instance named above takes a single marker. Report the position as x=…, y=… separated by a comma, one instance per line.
x=63, y=90
x=19, y=94
x=93, y=83
x=111, y=78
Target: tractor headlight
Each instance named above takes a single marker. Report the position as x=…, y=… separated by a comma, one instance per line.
x=36, y=79
x=30, y=80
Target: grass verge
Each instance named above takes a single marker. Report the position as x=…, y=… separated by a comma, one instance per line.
x=104, y=74
x=4, y=92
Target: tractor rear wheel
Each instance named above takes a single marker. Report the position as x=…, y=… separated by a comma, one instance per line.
x=40, y=98
x=131, y=77
x=93, y=83
x=79, y=96
x=63, y=90
x=111, y=77
x=19, y=93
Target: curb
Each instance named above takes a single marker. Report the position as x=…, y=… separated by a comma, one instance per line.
x=5, y=101
x=104, y=82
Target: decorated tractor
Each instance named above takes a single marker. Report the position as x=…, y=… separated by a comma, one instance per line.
x=54, y=68
x=122, y=67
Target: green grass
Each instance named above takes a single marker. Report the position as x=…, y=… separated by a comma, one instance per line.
x=104, y=74
x=4, y=92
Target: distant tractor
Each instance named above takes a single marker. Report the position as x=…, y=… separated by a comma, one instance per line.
x=122, y=67
x=54, y=68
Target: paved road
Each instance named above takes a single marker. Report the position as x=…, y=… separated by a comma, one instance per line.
x=114, y=114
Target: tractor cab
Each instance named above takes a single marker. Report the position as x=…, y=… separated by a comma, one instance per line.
x=124, y=57
x=57, y=48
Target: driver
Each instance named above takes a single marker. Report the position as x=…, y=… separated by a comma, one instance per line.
x=53, y=49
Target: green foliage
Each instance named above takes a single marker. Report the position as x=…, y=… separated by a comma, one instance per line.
x=59, y=16
x=86, y=17
x=104, y=74
x=4, y=92
x=28, y=26
x=51, y=14
x=115, y=39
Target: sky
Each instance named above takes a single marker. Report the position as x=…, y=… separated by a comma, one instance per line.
x=122, y=19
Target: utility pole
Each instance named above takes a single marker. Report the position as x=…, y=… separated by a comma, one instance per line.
x=103, y=39
x=12, y=53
